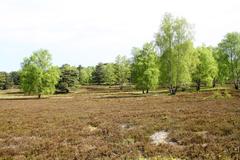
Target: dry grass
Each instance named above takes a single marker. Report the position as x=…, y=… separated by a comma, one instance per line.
x=100, y=125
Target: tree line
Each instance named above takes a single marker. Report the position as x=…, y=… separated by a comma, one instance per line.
x=170, y=61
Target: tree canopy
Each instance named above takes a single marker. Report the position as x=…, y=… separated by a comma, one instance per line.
x=86, y=75
x=174, y=41
x=98, y=74
x=69, y=78
x=123, y=70
x=229, y=55
x=145, y=67
x=206, y=68
x=170, y=61
x=109, y=74
x=3, y=80
x=38, y=75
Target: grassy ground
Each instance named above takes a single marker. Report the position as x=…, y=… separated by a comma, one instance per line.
x=96, y=124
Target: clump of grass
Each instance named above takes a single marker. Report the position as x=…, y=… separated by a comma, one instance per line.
x=226, y=94
x=218, y=94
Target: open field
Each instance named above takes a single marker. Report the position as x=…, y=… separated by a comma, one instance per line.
x=97, y=124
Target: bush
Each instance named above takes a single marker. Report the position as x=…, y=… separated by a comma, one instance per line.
x=226, y=94
x=221, y=94
x=217, y=94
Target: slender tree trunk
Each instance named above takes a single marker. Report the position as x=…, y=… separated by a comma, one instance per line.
x=198, y=85
x=39, y=96
x=147, y=91
x=143, y=92
x=214, y=83
x=236, y=84
x=233, y=72
x=178, y=59
x=172, y=90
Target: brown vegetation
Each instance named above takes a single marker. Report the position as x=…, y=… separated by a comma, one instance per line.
x=100, y=125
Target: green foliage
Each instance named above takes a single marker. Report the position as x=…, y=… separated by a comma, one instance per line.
x=3, y=80
x=109, y=75
x=179, y=64
x=229, y=56
x=98, y=74
x=223, y=66
x=14, y=78
x=69, y=78
x=145, y=67
x=86, y=75
x=38, y=76
x=123, y=70
x=174, y=40
x=206, y=68
x=79, y=68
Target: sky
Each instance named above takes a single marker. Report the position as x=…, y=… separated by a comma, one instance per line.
x=85, y=32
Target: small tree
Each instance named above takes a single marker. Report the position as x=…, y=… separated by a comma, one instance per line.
x=38, y=75
x=98, y=74
x=145, y=68
x=206, y=67
x=69, y=78
x=3, y=80
x=174, y=41
x=123, y=70
x=223, y=69
x=109, y=75
x=79, y=68
x=14, y=77
x=86, y=75
x=229, y=56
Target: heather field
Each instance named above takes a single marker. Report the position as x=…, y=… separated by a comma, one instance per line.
x=104, y=123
